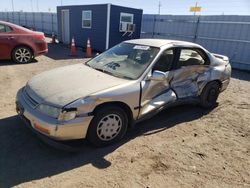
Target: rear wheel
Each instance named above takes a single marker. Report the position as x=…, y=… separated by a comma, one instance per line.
x=108, y=126
x=22, y=54
x=210, y=94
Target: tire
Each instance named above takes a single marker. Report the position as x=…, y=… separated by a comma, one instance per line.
x=107, y=120
x=210, y=94
x=22, y=54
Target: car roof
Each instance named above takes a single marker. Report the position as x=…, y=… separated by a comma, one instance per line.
x=16, y=27
x=162, y=42
x=7, y=23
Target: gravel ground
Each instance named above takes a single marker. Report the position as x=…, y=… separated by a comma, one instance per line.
x=184, y=146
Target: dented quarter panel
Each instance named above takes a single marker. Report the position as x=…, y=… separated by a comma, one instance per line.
x=218, y=70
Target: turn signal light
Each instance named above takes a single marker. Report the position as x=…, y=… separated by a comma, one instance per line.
x=41, y=129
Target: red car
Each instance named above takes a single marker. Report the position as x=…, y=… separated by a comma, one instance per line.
x=20, y=44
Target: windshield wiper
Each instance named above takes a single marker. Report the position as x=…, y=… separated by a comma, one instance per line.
x=99, y=69
x=122, y=76
x=87, y=65
x=113, y=74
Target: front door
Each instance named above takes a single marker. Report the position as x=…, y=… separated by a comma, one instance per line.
x=158, y=93
x=65, y=27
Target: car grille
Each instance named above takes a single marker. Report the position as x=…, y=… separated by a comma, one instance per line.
x=29, y=100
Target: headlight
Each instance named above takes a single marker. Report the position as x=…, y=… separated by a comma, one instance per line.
x=68, y=114
x=49, y=110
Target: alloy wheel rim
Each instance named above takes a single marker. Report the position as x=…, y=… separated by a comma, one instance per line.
x=109, y=127
x=23, y=55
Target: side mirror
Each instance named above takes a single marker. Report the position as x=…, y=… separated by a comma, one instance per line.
x=158, y=76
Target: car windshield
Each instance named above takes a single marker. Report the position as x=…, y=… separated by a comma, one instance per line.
x=125, y=60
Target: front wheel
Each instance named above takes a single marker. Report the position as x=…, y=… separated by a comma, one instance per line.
x=22, y=54
x=210, y=94
x=108, y=126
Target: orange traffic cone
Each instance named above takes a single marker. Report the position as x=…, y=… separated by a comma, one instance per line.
x=53, y=38
x=73, y=47
x=88, y=50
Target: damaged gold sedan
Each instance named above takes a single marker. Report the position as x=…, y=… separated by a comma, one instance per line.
x=130, y=82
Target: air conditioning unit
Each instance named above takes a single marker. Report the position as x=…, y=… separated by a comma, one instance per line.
x=130, y=27
x=123, y=27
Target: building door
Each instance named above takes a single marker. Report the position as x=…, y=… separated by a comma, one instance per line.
x=65, y=27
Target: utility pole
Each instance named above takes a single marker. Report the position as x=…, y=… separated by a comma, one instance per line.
x=12, y=9
x=159, y=8
x=195, y=6
x=33, y=14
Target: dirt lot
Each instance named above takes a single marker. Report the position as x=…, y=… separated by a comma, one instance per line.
x=184, y=146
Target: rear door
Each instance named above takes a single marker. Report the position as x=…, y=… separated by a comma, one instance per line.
x=190, y=69
x=6, y=41
x=156, y=94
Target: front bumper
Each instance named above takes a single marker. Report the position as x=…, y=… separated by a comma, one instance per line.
x=41, y=48
x=50, y=127
x=64, y=146
x=42, y=52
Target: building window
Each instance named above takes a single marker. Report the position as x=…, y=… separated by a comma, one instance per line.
x=86, y=19
x=127, y=18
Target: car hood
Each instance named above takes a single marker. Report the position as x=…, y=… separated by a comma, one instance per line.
x=64, y=85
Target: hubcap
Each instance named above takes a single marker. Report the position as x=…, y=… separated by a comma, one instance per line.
x=109, y=127
x=23, y=55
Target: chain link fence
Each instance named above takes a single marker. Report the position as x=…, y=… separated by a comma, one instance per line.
x=227, y=35
x=39, y=21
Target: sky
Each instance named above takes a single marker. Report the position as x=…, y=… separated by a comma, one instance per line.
x=176, y=7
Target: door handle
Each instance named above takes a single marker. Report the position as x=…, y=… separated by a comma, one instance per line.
x=10, y=38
